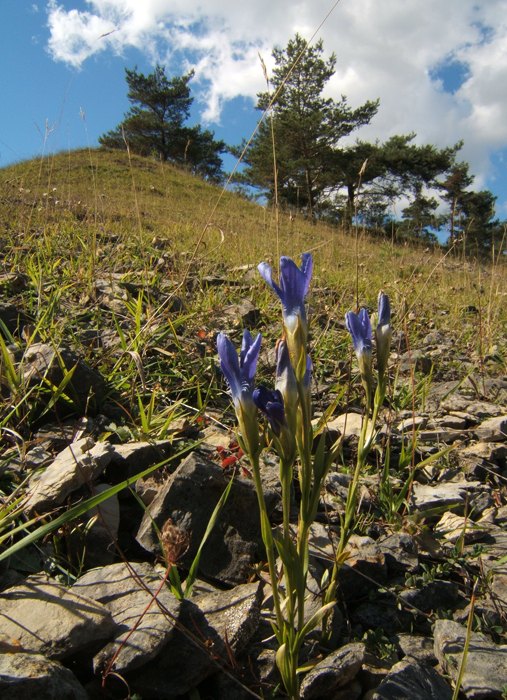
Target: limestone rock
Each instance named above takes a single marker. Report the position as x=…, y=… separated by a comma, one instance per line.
x=417, y=647
x=435, y=595
x=188, y=498
x=243, y=314
x=400, y=552
x=413, y=680
x=481, y=459
x=43, y=617
x=78, y=464
x=102, y=530
x=145, y=625
x=450, y=494
x=135, y=457
x=486, y=663
x=190, y=656
x=364, y=570
x=338, y=669
x=347, y=424
x=484, y=409
x=418, y=360
x=493, y=429
x=234, y=614
x=25, y=676
x=456, y=527
x=412, y=423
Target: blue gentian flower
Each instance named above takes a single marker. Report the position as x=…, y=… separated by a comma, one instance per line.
x=294, y=284
x=383, y=333
x=359, y=327
x=292, y=290
x=270, y=402
x=240, y=374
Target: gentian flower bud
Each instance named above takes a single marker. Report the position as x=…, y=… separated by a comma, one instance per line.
x=240, y=376
x=286, y=383
x=383, y=333
x=294, y=285
x=359, y=327
x=270, y=403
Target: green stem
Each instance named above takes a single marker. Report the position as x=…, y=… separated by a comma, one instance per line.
x=363, y=450
x=305, y=507
x=286, y=482
x=267, y=538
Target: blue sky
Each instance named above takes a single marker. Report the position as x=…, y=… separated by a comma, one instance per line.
x=439, y=69
x=50, y=105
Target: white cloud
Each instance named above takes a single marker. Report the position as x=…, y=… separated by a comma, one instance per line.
x=385, y=49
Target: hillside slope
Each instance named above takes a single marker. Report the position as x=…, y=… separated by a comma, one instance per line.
x=89, y=199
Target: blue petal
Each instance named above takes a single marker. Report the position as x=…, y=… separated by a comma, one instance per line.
x=359, y=327
x=229, y=364
x=294, y=285
x=384, y=310
x=307, y=269
x=271, y=404
x=249, y=355
x=294, y=282
x=308, y=374
x=267, y=275
x=366, y=325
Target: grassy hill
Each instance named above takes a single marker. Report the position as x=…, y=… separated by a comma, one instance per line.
x=134, y=264
x=116, y=275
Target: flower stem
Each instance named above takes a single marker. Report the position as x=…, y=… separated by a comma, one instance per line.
x=267, y=538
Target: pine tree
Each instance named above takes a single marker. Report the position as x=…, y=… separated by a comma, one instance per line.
x=155, y=124
x=306, y=127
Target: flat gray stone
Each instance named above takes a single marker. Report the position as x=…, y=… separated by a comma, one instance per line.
x=493, y=555
x=364, y=570
x=408, y=679
x=194, y=652
x=456, y=527
x=338, y=669
x=440, y=434
x=145, y=625
x=101, y=533
x=78, y=464
x=25, y=676
x=413, y=423
x=448, y=494
x=243, y=314
x=492, y=429
x=135, y=457
x=432, y=596
x=347, y=424
x=452, y=421
x=486, y=663
x=234, y=614
x=417, y=647
x=400, y=552
x=481, y=459
x=484, y=409
x=43, y=617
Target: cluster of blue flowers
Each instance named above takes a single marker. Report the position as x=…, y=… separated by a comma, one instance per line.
x=293, y=361
x=287, y=408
